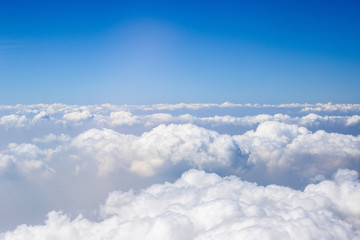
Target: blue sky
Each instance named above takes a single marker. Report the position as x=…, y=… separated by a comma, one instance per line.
x=93, y=52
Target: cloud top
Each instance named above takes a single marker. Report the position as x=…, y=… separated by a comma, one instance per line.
x=200, y=205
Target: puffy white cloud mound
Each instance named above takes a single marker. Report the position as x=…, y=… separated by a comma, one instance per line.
x=277, y=146
x=287, y=146
x=13, y=121
x=78, y=116
x=25, y=159
x=199, y=147
x=274, y=147
x=200, y=205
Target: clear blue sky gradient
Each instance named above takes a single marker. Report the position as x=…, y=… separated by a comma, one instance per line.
x=93, y=52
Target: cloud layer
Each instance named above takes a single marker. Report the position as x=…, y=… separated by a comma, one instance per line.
x=50, y=154
x=200, y=205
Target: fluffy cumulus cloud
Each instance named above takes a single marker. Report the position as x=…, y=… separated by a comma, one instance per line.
x=77, y=116
x=200, y=205
x=274, y=145
x=13, y=120
x=313, y=119
x=25, y=160
x=290, y=147
x=164, y=144
x=122, y=118
x=50, y=153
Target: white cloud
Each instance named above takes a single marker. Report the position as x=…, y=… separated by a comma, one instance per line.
x=273, y=145
x=246, y=120
x=41, y=116
x=112, y=116
x=205, y=206
x=50, y=138
x=159, y=118
x=27, y=159
x=13, y=121
x=5, y=161
x=78, y=116
x=340, y=122
x=105, y=146
x=283, y=146
x=162, y=145
x=353, y=120
x=122, y=118
x=192, y=106
x=330, y=107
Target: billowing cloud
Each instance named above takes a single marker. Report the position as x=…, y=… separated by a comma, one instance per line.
x=78, y=116
x=273, y=146
x=290, y=147
x=277, y=146
x=13, y=120
x=122, y=118
x=206, y=206
x=162, y=145
x=26, y=160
